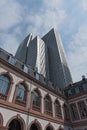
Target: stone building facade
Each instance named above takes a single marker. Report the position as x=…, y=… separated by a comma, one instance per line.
x=27, y=102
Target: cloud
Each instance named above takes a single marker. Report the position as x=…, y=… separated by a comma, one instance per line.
x=10, y=13
x=84, y=4
x=53, y=4
x=18, y=18
x=77, y=54
x=52, y=15
x=9, y=42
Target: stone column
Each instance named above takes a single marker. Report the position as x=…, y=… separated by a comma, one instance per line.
x=53, y=108
x=42, y=104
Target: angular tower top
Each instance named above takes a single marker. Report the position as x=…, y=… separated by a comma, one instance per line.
x=22, y=49
x=47, y=54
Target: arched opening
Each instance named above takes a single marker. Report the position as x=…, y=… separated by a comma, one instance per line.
x=36, y=100
x=1, y=120
x=58, y=112
x=60, y=128
x=34, y=127
x=48, y=105
x=49, y=128
x=15, y=125
x=4, y=86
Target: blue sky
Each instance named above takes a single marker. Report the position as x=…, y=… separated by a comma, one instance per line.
x=69, y=17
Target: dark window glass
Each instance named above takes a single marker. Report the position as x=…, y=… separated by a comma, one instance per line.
x=74, y=112
x=82, y=109
x=57, y=109
x=11, y=60
x=36, y=99
x=73, y=91
x=15, y=125
x=48, y=104
x=66, y=112
x=84, y=86
x=81, y=88
x=69, y=93
x=77, y=90
x=21, y=94
x=4, y=84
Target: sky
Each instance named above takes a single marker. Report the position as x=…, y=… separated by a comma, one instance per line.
x=18, y=18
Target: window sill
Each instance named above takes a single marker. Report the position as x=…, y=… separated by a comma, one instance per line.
x=59, y=116
x=20, y=102
x=36, y=108
x=49, y=113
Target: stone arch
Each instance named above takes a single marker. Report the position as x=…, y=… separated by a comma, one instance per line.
x=57, y=100
x=38, y=105
x=36, y=89
x=16, y=90
x=24, y=83
x=50, y=126
x=48, y=96
x=48, y=109
x=8, y=75
x=20, y=119
x=37, y=123
x=1, y=120
x=60, y=128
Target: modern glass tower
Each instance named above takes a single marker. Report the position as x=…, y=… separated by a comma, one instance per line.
x=47, y=56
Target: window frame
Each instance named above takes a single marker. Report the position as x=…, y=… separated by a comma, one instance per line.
x=80, y=111
x=74, y=112
x=18, y=101
x=48, y=112
x=57, y=104
x=4, y=96
x=36, y=107
x=66, y=112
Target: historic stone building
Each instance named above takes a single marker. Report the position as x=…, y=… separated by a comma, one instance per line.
x=29, y=102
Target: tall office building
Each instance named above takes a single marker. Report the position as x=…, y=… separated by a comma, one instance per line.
x=46, y=56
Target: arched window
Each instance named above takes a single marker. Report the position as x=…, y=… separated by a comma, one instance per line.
x=21, y=94
x=58, y=109
x=49, y=127
x=4, y=86
x=36, y=104
x=35, y=125
x=66, y=113
x=82, y=109
x=74, y=111
x=15, y=125
x=48, y=105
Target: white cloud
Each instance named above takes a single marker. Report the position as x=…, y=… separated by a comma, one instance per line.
x=53, y=13
x=52, y=16
x=10, y=13
x=54, y=4
x=78, y=53
x=84, y=4
x=9, y=42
